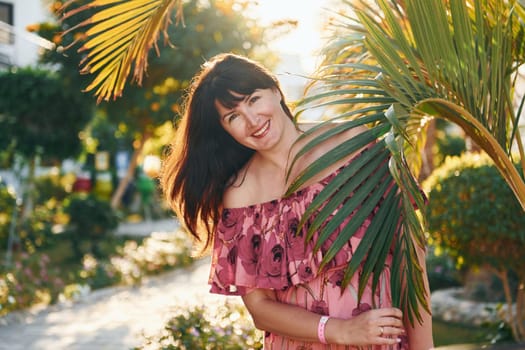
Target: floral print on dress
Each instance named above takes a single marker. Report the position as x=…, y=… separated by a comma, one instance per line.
x=258, y=246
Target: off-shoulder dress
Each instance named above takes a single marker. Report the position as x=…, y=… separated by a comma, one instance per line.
x=258, y=246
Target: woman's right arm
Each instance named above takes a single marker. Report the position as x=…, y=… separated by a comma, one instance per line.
x=295, y=322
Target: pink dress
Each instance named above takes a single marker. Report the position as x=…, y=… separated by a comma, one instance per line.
x=257, y=247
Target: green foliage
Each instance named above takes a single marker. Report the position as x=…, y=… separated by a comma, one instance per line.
x=90, y=219
x=209, y=28
x=132, y=260
x=35, y=230
x=89, y=215
x=38, y=115
x=448, y=146
x=7, y=204
x=31, y=281
x=49, y=276
x=109, y=135
x=49, y=187
x=442, y=271
x=212, y=327
x=473, y=213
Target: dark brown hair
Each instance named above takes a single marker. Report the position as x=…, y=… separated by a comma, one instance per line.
x=203, y=158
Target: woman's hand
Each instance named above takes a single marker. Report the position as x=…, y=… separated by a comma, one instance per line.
x=373, y=327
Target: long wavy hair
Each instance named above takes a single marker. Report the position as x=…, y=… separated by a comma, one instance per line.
x=204, y=159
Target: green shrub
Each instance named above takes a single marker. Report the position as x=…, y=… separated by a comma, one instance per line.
x=7, y=203
x=37, y=231
x=89, y=215
x=31, y=281
x=132, y=261
x=226, y=326
x=33, y=232
x=474, y=215
x=48, y=187
x=442, y=271
x=449, y=146
x=90, y=219
x=37, y=279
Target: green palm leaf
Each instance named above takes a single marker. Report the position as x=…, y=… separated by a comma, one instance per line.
x=119, y=36
x=380, y=234
x=340, y=186
x=366, y=198
x=391, y=69
x=473, y=128
x=448, y=59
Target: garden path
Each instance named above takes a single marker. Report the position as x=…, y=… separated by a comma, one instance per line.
x=116, y=318
x=111, y=318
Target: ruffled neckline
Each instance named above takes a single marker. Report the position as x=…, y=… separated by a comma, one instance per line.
x=259, y=246
x=314, y=186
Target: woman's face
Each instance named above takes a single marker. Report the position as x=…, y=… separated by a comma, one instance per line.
x=257, y=121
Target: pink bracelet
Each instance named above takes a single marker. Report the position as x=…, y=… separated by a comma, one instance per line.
x=321, y=327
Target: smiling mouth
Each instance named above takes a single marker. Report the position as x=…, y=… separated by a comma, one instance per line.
x=262, y=130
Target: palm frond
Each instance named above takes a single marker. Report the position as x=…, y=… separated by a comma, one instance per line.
x=481, y=136
x=119, y=36
x=394, y=68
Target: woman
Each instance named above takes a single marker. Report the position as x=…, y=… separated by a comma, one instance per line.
x=225, y=177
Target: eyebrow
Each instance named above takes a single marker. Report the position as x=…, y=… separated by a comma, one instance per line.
x=230, y=111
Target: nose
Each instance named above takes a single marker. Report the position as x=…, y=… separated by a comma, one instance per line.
x=251, y=117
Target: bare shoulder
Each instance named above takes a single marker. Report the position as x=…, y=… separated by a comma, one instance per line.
x=242, y=191
x=236, y=193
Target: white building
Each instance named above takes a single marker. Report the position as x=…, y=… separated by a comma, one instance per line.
x=18, y=47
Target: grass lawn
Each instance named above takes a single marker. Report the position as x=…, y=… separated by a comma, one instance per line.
x=446, y=333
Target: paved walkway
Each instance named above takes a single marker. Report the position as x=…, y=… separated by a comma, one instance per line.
x=115, y=318
x=110, y=318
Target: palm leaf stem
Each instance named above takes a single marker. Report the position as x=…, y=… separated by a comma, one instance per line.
x=473, y=128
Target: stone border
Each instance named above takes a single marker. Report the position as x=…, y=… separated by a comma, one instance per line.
x=447, y=305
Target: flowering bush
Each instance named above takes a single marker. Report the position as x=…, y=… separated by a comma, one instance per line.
x=157, y=253
x=226, y=326
x=34, y=279
x=31, y=281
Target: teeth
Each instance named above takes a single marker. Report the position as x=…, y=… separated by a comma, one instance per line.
x=263, y=130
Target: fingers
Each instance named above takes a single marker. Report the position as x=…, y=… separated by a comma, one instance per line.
x=385, y=325
x=391, y=311
x=389, y=323
x=390, y=332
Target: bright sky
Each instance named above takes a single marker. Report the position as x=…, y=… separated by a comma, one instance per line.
x=297, y=49
x=306, y=38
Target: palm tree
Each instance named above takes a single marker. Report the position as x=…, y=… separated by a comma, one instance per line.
x=409, y=61
x=393, y=66
x=120, y=34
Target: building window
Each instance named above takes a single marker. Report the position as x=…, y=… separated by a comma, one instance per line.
x=6, y=17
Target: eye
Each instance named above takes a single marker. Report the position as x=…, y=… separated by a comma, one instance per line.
x=254, y=98
x=230, y=118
